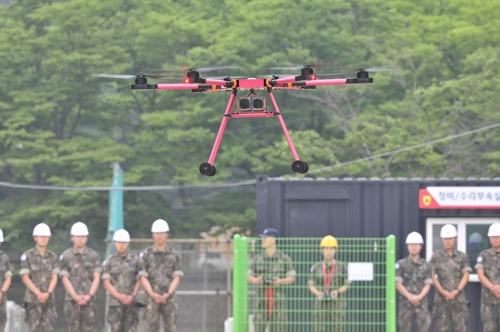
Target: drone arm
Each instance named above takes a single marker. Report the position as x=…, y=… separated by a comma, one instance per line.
x=286, y=80
x=337, y=81
x=298, y=81
x=181, y=86
x=215, y=82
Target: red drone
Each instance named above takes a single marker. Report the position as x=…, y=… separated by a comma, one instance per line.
x=251, y=106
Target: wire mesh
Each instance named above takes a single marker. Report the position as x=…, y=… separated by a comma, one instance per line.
x=359, y=273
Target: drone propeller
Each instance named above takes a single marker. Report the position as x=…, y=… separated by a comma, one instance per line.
x=198, y=69
x=277, y=75
x=214, y=68
x=287, y=68
x=348, y=72
x=297, y=67
x=123, y=77
x=226, y=77
x=126, y=77
x=379, y=69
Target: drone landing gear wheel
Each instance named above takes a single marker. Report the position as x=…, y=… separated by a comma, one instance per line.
x=299, y=166
x=207, y=169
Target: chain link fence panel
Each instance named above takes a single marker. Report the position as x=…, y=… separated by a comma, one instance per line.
x=356, y=291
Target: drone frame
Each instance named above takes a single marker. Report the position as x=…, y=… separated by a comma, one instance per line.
x=306, y=80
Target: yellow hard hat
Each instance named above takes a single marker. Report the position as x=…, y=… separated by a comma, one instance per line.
x=329, y=241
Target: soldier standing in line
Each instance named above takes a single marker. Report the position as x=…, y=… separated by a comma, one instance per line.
x=5, y=280
x=269, y=271
x=413, y=282
x=330, y=276
x=39, y=270
x=120, y=277
x=450, y=274
x=80, y=274
x=160, y=275
x=488, y=271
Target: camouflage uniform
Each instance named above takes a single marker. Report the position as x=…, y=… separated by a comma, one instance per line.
x=4, y=272
x=414, y=276
x=79, y=268
x=160, y=267
x=40, y=268
x=329, y=311
x=270, y=307
x=489, y=260
x=449, y=270
x=122, y=272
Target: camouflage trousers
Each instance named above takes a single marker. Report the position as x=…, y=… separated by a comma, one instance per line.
x=3, y=314
x=79, y=318
x=276, y=320
x=154, y=312
x=490, y=315
x=329, y=313
x=408, y=313
x=41, y=316
x=450, y=313
x=123, y=318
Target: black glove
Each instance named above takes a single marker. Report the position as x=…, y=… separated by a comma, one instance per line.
x=268, y=279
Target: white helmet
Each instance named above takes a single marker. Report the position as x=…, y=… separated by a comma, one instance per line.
x=494, y=229
x=121, y=235
x=1, y=235
x=79, y=229
x=414, y=238
x=160, y=226
x=41, y=230
x=448, y=231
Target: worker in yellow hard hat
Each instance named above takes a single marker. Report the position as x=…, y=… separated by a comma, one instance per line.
x=328, y=282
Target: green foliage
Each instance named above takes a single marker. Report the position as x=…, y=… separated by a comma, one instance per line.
x=61, y=126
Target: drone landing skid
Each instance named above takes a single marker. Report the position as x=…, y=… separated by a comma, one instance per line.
x=208, y=168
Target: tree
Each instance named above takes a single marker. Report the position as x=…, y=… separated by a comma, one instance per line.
x=61, y=126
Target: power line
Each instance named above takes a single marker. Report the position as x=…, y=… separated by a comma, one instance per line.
x=130, y=188
x=408, y=148
x=245, y=182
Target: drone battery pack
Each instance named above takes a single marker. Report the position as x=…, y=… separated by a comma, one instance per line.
x=257, y=84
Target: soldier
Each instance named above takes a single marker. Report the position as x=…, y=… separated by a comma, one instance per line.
x=330, y=276
x=39, y=270
x=269, y=271
x=413, y=282
x=450, y=274
x=160, y=275
x=120, y=277
x=488, y=271
x=5, y=280
x=80, y=275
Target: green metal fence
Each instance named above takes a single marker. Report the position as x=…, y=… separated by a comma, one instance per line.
x=364, y=265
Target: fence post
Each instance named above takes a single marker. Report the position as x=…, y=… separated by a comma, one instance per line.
x=240, y=286
x=390, y=305
x=205, y=282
